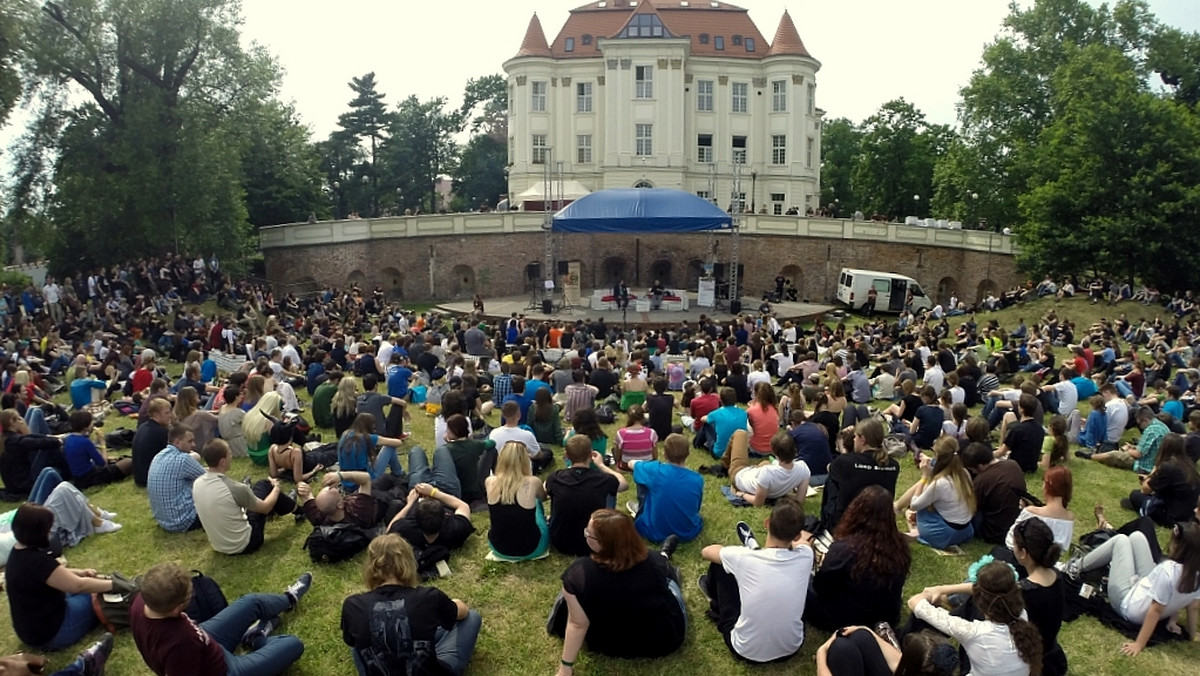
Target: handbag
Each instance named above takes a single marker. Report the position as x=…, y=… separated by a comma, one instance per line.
x=112, y=608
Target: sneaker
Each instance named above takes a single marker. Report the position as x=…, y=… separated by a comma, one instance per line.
x=107, y=526
x=259, y=631
x=298, y=589
x=107, y=515
x=96, y=656
x=746, y=535
x=669, y=545
x=633, y=507
x=1086, y=455
x=702, y=583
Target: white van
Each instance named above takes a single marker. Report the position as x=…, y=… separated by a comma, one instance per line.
x=891, y=288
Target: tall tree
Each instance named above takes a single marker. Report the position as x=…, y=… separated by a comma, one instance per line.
x=485, y=106
x=367, y=120
x=281, y=168
x=898, y=152
x=420, y=148
x=10, y=82
x=479, y=175
x=150, y=154
x=1115, y=178
x=841, y=144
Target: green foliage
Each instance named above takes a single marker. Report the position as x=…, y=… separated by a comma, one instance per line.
x=841, y=143
x=418, y=150
x=153, y=154
x=1116, y=177
x=281, y=168
x=898, y=151
x=479, y=178
x=366, y=122
x=487, y=99
x=14, y=279
x=10, y=81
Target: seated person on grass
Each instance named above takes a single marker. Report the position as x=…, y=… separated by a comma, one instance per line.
x=150, y=438
x=669, y=494
x=233, y=514
x=434, y=523
x=1139, y=458
x=1023, y=440
x=998, y=485
x=474, y=459
x=169, y=482
x=725, y=421
x=171, y=643
x=754, y=593
x=578, y=491
x=329, y=506
x=769, y=479
x=89, y=465
x=512, y=430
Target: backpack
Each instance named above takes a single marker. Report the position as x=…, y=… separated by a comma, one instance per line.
x=336, y=543
x=122, y=438
x=605, y=414
x=393, y=652
x=207, y=598
x=112, y=608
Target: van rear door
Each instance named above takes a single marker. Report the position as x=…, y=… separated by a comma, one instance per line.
x=845, y=289
x=899, y=292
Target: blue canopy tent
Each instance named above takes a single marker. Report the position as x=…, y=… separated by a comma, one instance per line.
x=641, y=210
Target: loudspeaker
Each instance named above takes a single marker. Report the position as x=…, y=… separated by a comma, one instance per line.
x=735, y=306
x=562, y=267
x=547, y=306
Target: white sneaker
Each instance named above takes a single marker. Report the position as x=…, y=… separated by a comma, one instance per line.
x=633, y=507
x=107, y=515
x=108, y=527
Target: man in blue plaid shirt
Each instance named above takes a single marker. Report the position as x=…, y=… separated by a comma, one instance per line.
x=169, y=483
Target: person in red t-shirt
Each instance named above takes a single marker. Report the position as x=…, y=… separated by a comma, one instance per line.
x=703, y=404
x=170, y=642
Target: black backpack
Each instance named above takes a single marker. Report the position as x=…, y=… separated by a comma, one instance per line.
x=207, y=598
x=393, y=652
x=336, y=543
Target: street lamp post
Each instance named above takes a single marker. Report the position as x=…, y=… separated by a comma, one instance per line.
x=753, y=191
x=507, y=188
x=337, y=200
x=917, y=206
x=974, y=201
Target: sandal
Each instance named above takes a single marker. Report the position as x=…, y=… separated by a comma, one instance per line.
x=1101, y=522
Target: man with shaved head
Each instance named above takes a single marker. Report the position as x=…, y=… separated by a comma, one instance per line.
x=329, y=506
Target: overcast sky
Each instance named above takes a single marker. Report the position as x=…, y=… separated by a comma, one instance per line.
x=871, y=51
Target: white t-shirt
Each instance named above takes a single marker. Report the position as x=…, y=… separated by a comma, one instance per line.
x=771, y=624
x=1161, y=585
x=777, y=479
x=989, y=645
x=51, y=293
x=1118, y=417
x=504, y=434
x=935, y=377
x=1068, y=397
x=756, y=377
x=1063, y=529
x=958, y=395
x=221, y=504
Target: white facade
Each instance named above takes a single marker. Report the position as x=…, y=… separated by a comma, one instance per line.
x=649, y=113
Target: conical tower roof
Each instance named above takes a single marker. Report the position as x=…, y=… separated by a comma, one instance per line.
x=535, y=43
x=787, y=40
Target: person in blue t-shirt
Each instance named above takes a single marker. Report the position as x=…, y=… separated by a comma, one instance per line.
x=518, y=395
x=669, y=494
x=725, y=421
x=89, y=466
x=82, y=386
x=398, y=375
x=358, y=444
x=812, y=446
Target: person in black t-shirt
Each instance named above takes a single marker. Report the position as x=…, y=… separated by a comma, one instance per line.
x=1023, y=441
x=434, y=523
x=660, y=409
x=604, y=379
x=448, y=625
x=849, y=473
x=578, y=491
x=623, y=599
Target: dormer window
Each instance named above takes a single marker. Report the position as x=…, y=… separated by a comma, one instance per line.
x=704, y=38
x=749, y=44
x=719, y=43
x=587, y=39
x=737, y=41
x=569, y=45
x=644, y=26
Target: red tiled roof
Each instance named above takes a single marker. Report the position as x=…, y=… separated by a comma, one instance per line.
x=787, y=40
x=698, y=17
x=534, y=43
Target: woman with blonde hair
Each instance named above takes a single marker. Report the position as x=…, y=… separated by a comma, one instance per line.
x=943, y=499
x=256, y=426
x=519, y=531
x=188, y=412
x=446, y=626
x=256, y=386
x=343, y=406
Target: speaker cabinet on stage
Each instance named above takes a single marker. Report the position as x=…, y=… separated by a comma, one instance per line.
x=547, y=306
x=735, y=307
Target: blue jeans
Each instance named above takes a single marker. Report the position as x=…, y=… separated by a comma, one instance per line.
x=48, y=479
x=387, y=459
x=35, y=418
x=818, y=480
x=270, y=657
x=442, y=476
x=453, y=648
x=77, y=622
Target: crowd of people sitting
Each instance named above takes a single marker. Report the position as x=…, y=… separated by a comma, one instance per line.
x=780, y=414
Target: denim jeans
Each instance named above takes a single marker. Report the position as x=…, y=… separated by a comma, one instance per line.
x=1123, y=387
x=453, y=647
x=77, y=622
x=442, y=476
x=388, y=459
x=35, y=418
x=270, y=657
x=48, y=479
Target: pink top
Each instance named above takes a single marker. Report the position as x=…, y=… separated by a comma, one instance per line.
x=636, y=442
x=763, y=426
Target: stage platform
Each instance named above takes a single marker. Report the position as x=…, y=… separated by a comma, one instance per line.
x=502, y=308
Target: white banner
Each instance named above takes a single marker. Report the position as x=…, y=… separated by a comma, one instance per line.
x=227, y=363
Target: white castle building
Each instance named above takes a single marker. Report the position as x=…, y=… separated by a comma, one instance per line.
x=665, y=94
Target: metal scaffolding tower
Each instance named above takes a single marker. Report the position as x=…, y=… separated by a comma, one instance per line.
x=737, y=206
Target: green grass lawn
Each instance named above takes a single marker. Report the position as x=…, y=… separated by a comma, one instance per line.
x=514, y=598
